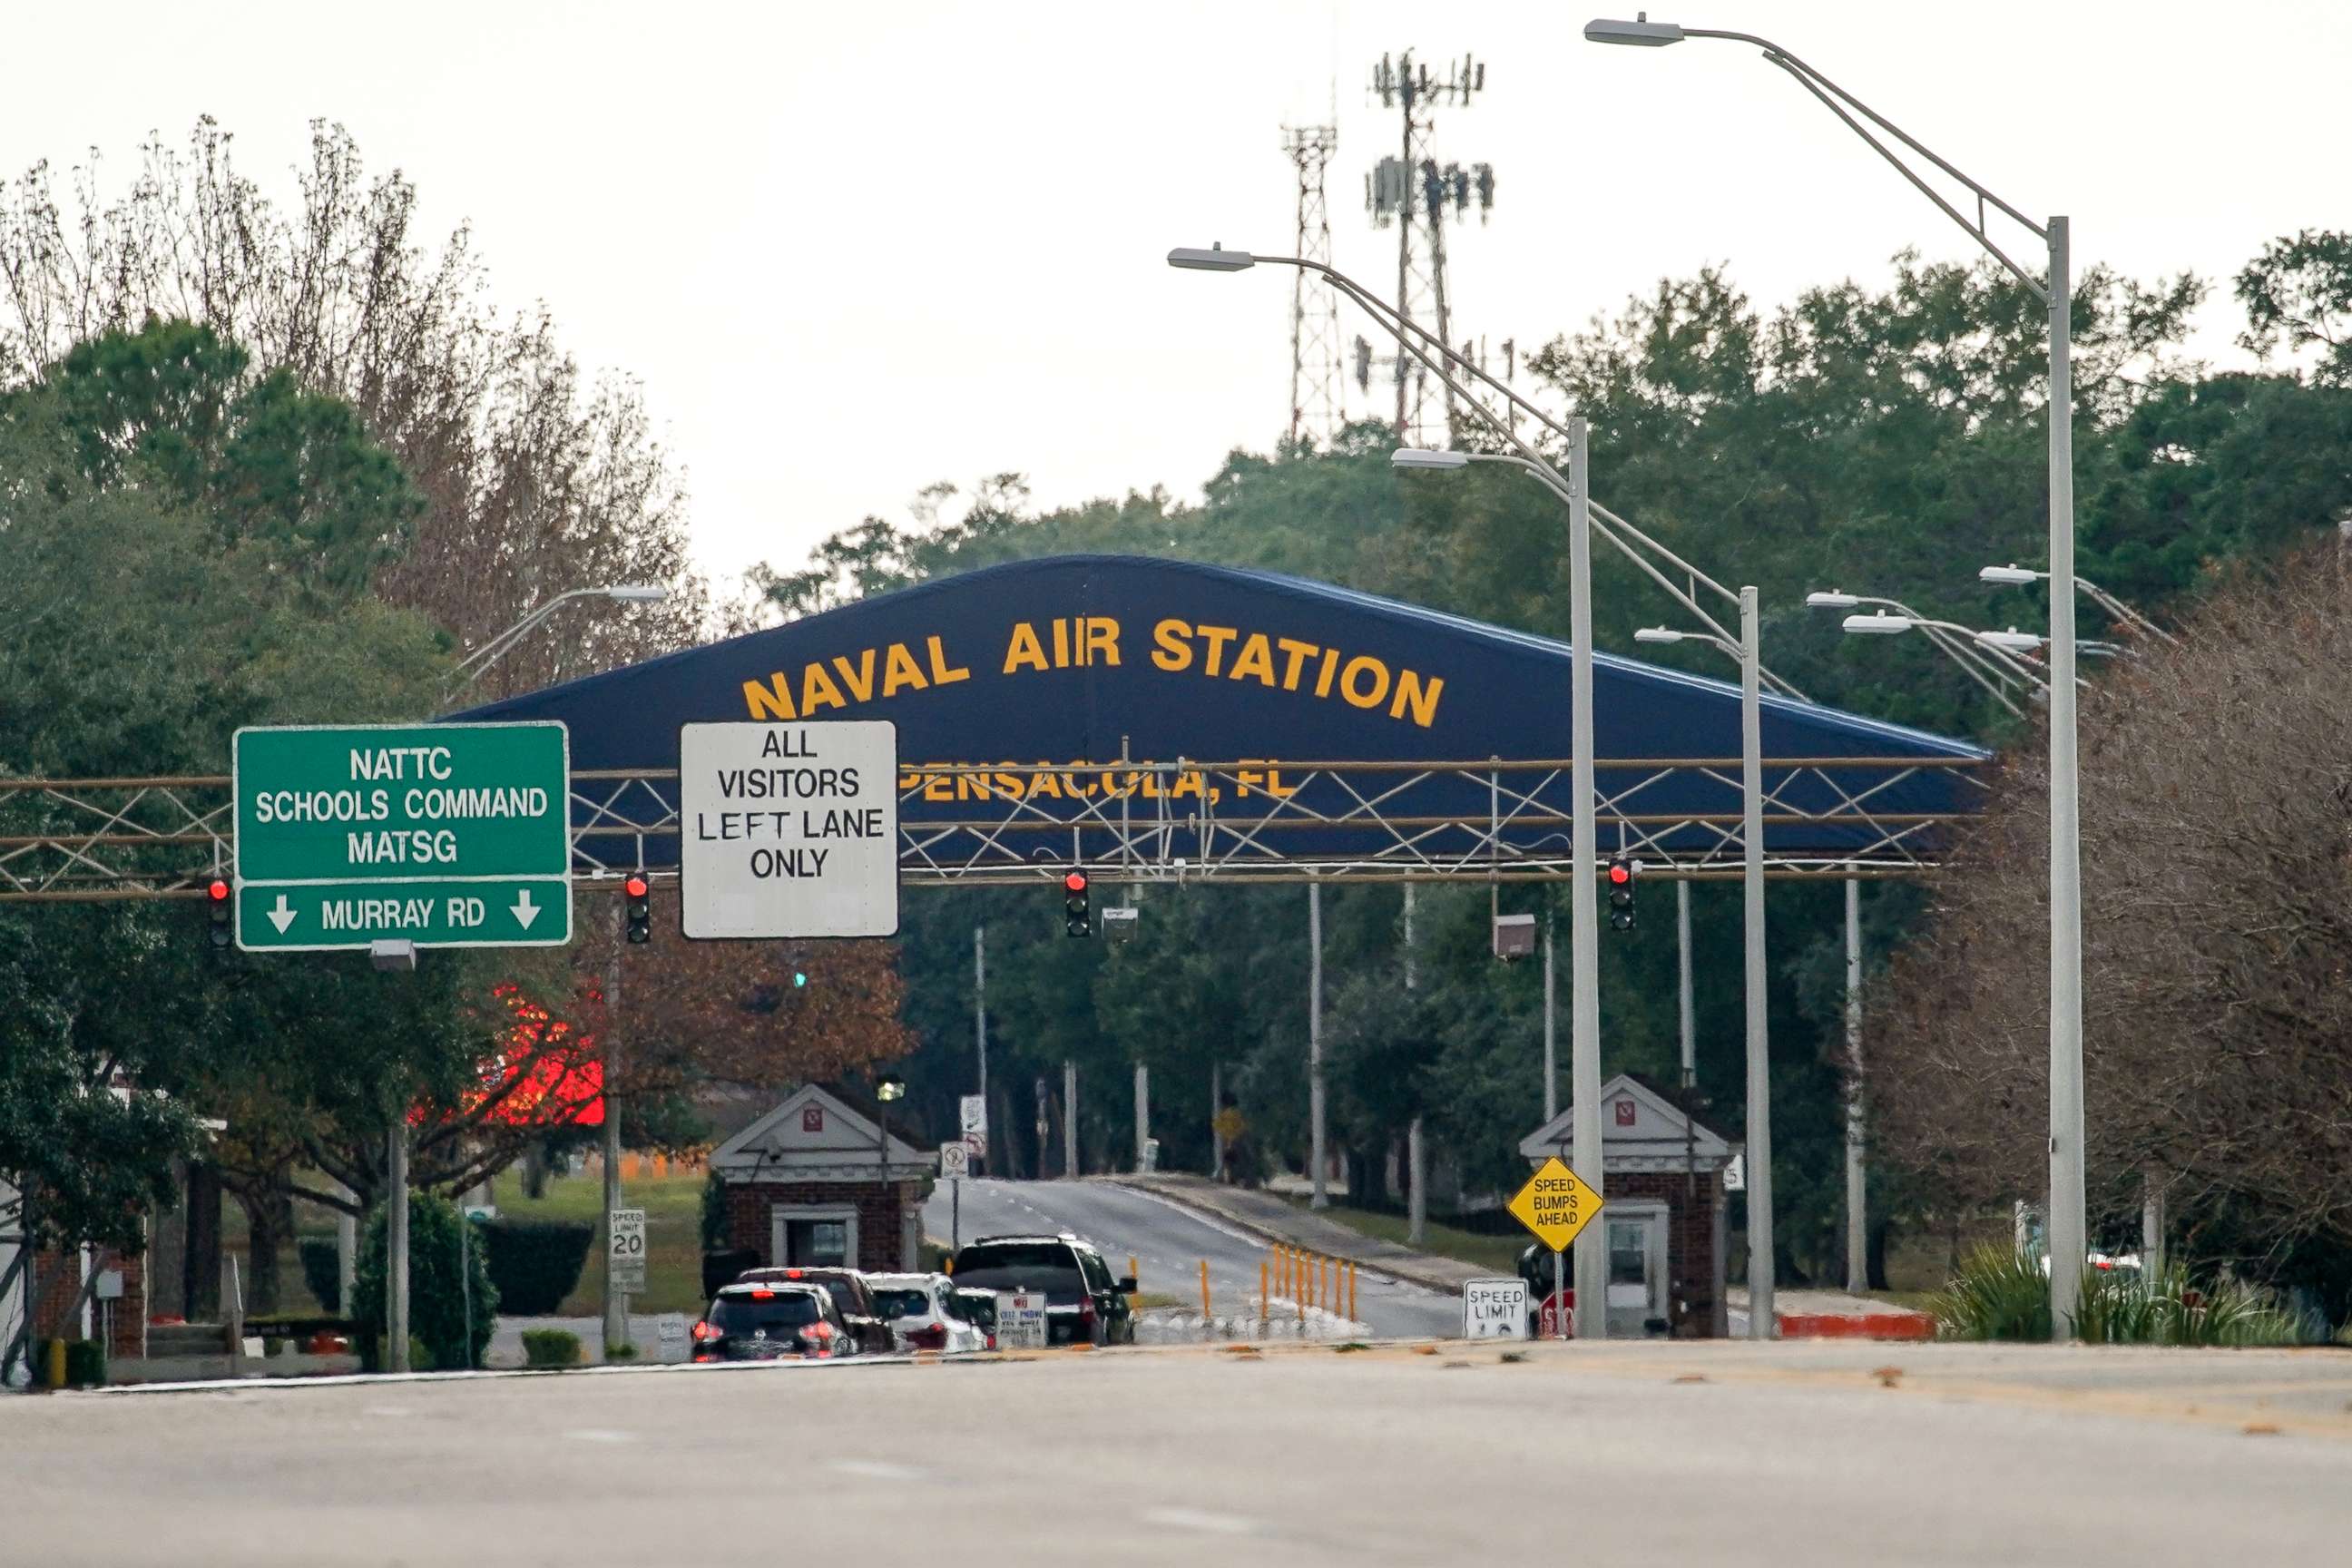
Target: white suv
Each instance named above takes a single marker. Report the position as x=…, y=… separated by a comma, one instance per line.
x=923, y=1314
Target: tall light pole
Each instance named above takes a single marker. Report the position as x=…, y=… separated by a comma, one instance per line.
x=2069, y=1219
x=471, y=669
x=2015, y=575
x=1762, y=1317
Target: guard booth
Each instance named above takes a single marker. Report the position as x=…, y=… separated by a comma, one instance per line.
x=817, y=1183
x=1663, y=1219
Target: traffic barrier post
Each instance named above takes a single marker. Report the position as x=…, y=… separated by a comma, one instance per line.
x=1264, y=1292
x=1351, y=1291
x=1205, y=1288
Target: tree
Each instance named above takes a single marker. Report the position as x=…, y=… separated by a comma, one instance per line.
x=2218, y=939
x=2298, y=293
x=535, y=477
x=452, y=1306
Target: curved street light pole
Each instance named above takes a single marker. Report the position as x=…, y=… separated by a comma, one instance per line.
x=2069, y=1219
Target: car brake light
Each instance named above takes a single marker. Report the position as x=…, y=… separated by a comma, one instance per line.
x=763, y=1295
x=1087, y=1315
x=931, y=1337
x=704, y=1333
x=818, y=1331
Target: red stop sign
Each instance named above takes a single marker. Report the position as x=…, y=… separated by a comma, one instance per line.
x=1559, y=1308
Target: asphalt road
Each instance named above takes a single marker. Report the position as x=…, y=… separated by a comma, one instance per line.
x=1169, y=1243
x=1721, y=1454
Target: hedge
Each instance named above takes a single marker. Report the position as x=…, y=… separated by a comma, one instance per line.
x=536, y=1263
x=321, y=1271
x=438, y=1303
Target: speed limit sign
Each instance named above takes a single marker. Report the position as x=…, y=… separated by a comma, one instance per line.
x=627, y=1255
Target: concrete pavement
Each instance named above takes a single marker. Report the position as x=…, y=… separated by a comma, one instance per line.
x=1832, y=1454
x=1169, y=1243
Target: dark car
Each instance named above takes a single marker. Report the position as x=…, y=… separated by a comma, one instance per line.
x=852, y=1297
x=1084, y=1300
x=771, y=1322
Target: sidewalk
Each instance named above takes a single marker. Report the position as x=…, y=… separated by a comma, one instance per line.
x=1274, y=1220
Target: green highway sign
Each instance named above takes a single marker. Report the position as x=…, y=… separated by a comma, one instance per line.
x=442, y=835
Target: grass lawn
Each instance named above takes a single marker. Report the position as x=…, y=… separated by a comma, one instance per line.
x=673, y=1206
x=1498, y=1253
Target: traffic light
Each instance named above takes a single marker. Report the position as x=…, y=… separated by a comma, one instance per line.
x=639, y=892
x=1078, y=918
x=222, y=906
x=1621, y=893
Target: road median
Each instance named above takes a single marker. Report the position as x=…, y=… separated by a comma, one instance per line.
x=1278, y=1223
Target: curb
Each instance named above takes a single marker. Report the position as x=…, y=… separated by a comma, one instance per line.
x=1177, y=1199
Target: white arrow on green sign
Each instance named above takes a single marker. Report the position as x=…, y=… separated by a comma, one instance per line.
x=446, y=836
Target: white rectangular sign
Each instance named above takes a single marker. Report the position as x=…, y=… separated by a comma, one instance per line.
x=1494, y=1308
x=669, y=1329
x=973, y=1109
x=1020, y=1319
x=628, y=1244
x=955, y=1162
x=789, y=830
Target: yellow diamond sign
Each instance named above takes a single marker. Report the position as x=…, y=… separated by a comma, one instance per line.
x=1555, y=1204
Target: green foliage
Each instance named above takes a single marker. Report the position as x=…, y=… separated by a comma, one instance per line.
x=713, y=1212
x=2000, y=1293
x=621, y=1351
x=2298, y=293
x=550, y=1347
x=535, y=1264
x=438, y=1295
x=322, y=1270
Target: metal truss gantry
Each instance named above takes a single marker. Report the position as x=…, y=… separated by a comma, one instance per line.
x=71, y=840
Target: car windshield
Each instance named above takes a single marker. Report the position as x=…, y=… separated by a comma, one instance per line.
x=785, y=1310
x=902, y=1301
x=1002, y=1254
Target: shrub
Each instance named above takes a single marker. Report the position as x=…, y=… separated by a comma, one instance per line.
x=321, y=1271
x=723, y=1268
x=438, y=1294
x=1997, y=1295
x=536, y=1263
x=714, y=1212
x=550, y=1347
x=621, y=1351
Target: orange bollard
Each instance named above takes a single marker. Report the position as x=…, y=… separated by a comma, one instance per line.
x=1265, y=1295
x=1351, y=1291
x=1205, y=1312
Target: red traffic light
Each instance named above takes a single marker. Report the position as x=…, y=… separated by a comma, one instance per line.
x=219, y=891
x=1620, y=873
x=635, y=887
x=1075, y=882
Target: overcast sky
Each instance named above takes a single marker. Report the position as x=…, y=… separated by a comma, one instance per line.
x=853, y=248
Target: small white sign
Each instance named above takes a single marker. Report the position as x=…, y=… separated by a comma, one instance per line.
x=973, y=1111
x=1735, y=1174
x=955, y=1162
x=627, y=1258
x=1494, y=1308
x=1020, y=1319
x=789, y=830
x=976, y=1145
x=669, y=1329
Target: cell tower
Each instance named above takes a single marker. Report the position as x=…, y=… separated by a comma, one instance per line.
x=1417, y=193
x=1317, y=412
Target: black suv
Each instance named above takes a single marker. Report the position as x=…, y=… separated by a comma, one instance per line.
x=1084, y=1300
x=771, y=1322
x=852, y=1295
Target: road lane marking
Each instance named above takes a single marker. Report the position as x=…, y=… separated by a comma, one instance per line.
x=1201, y=1521
x=874, y=1469
x=601, y=1435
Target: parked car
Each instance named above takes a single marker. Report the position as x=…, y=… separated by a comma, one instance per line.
x=920, y=1311
x=1084, y=1300
x=851, y=1295
x=771, y=1322
x=979, y=1309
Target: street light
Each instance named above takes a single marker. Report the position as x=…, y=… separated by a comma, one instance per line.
x=1762, y=1316
x=470, y=669
x=1423, y=457
x=2016, y=576
x=1584, y=944
x=1994, y=672
x=2069, y=1217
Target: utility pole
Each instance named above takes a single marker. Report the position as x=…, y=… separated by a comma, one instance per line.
x=1142, y=1113
x=1857, y=1237
x=1413, y=190
x=616, y=1306
x=1550, y=1033
x=1416, y=1154
x=1322, y=1195
x=1584, y=912
x=1069, y=1119
x=395, y=1244
x=980, y=1010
